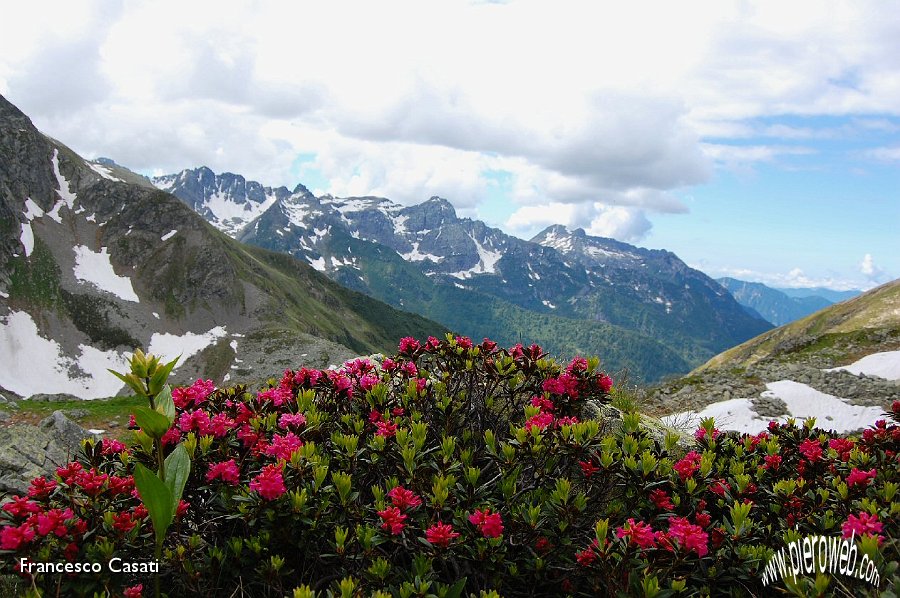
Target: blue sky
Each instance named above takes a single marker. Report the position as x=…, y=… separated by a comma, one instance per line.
x=759, y=140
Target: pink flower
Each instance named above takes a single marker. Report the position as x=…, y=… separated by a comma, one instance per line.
x=440, y=534
x=278, y=395
x=227, y=471
x=719, y=487
x=639, y=533
x=588, y=468
x=410, y=369
x=112, y=446
x=134, y=591
x=860, y=477
x=403, y=498
x=392, y=519
x=586, y=556
x=283, y=446
x=605, y=383
x=368, y=382
x=542, y=403
x=578, y=364
x=772, y=462
x=12, y=538
x=269, y=484
x=702, y=519
x=661, y=499
x=54, y=521
x=197, y=393
x=688, y=464
x=464, y=341
x=41, y=487
x=123, y=522
x=700, y=433
x=865, y=524
x=689, y=536
x=490, y=524
x=539, y=421
x=811, y=449
x=386, y=429
x=292, y=420
x=408, y=345
x=565, y=384
x=21, y=506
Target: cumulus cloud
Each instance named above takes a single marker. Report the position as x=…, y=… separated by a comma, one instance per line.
x=868, y=268
x=591, y=108
x=617, y=222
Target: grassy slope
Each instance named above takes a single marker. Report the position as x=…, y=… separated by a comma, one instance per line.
x=876, y=309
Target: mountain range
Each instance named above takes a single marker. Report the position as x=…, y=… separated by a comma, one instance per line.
x=777, y=306
x=95, y=261
x=573, y=293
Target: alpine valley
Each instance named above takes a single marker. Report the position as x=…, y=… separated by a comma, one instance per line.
x=641, y=310
x=95, y=261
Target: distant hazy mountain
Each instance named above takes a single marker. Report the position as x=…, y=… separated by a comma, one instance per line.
x=829, y=294
x=772, y=304
x=95, y=261
x=640, y=309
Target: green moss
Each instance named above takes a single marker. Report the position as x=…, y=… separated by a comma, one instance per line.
x=35, y=280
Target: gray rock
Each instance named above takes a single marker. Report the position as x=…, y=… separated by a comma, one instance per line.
x=28, y=451
x=54, y=398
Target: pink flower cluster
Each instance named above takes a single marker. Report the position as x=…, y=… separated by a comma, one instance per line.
x=490, y=524
x=269, y=483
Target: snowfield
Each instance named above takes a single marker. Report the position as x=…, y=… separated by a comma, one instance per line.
x=96, y=269
x=803, y=401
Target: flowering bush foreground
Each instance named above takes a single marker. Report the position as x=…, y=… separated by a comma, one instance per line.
x=454, y=469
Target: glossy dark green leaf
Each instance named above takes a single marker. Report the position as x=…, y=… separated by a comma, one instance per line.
x=157, y=499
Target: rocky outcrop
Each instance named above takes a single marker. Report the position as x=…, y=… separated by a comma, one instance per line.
x=28, y=451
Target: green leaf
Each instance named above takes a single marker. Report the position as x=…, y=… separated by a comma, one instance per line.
x=164, y=403
x=161, y=375
x=153, y=423
x=132, y=381
x=157, y=498
x=456, y=589
x=178, y=469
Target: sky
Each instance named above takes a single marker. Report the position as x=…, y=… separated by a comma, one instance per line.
x=759, y=140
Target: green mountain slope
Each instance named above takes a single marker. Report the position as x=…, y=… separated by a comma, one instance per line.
x=98, y=266
x=870, y=319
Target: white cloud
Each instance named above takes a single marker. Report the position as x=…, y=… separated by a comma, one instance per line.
x=794, y=278
x=868, y=268
x=885, y=154
x=617, y=222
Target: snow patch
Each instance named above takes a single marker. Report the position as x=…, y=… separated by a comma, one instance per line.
x=168, y=235
x=417, y=256
x=884, y=365
x=67, y=198
x=548, y=304
x=318, y=264
x=230, y=216
x=27, y=238
x=187, y=345
x=31, y=364
x=105, y=172
x=96, y=269
x=803, y=402
x=155, y=315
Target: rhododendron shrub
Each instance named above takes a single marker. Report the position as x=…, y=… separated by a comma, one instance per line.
x=450, y=468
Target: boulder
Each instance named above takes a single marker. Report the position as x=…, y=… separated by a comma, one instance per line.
x=55, y=398
x=28, y=451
